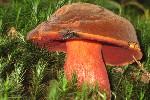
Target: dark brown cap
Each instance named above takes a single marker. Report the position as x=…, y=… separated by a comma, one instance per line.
x=89, y=22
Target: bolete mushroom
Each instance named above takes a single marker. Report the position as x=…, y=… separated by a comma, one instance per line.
x=91, y=36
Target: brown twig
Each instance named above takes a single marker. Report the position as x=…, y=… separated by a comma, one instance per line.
x=141, y=67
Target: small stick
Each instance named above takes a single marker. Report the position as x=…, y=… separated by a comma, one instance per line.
x=141, y=66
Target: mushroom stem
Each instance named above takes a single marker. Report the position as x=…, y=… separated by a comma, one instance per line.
x=84, y=58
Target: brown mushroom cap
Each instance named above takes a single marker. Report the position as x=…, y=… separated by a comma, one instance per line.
x=89, y=22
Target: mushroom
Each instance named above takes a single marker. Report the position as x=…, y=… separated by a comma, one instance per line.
x=91, y=36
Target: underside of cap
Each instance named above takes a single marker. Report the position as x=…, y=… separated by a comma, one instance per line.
x=115, y=52
x=89, y=22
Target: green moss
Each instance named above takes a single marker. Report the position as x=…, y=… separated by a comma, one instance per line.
x=29, y=72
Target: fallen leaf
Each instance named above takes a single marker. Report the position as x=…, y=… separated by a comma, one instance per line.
x=145, y=78
x=12, y=33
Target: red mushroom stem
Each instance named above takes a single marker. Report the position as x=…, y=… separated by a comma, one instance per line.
x=84, y=58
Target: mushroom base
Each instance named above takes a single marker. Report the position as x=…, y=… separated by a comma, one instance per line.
x=84, y=58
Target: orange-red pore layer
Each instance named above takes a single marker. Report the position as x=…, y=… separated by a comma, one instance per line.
x=84, y=58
